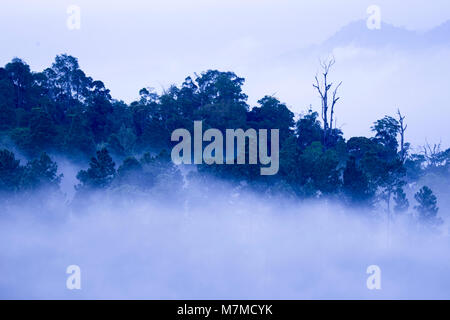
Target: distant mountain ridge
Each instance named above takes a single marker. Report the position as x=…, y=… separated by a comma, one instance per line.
x=440, y=34
x=358, y=34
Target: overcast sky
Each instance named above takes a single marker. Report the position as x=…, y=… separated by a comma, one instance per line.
x=133, y=44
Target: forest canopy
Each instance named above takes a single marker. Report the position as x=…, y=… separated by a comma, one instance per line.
x=62, y=111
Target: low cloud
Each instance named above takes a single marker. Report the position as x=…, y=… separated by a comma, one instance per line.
x=214, y=243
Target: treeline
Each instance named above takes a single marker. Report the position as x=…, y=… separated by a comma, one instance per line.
x=63, y=111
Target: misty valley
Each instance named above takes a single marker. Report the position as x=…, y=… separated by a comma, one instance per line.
x=92, y=182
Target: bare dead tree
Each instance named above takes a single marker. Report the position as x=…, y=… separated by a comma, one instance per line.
x=403, y=127
x=335, y=99
x=323, y=87
x=431, y=153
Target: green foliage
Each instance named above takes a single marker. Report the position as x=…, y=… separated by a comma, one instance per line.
x=401, y=201
x=309, y=129
x=272, y=114
x=41, y=172
x=319, y=170
x=78, y=138
x=131, y=172
x=100, y=174
x=359, y=147
x=10, y=171
x=7, y=103
x=289, y=157
x=427, y=207
x=220, y=87
x=123, y=143
x=22, y=139
x=386, y=131
x=42, y=130
x=414, y=165
x=63, y=110
x=38, y=173
x=357, y=187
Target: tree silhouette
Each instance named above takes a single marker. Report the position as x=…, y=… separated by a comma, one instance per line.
x=101, y=171
x=427, y=206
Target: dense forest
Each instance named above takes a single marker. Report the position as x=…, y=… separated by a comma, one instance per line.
x=62, y=111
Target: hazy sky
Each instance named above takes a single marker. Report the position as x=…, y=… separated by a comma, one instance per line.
x=133, y=44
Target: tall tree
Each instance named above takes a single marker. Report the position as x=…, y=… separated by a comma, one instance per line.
x=308, y=129
x=67, y=83
x=328, y=98
x=22, y=80
x=272, y=114
x=427, y=207
x=100, y=173
x=402, y=126
x=386, y=131
x=401, y=201
x=41, y=172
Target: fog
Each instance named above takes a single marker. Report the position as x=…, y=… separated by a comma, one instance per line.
x=208, y=240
